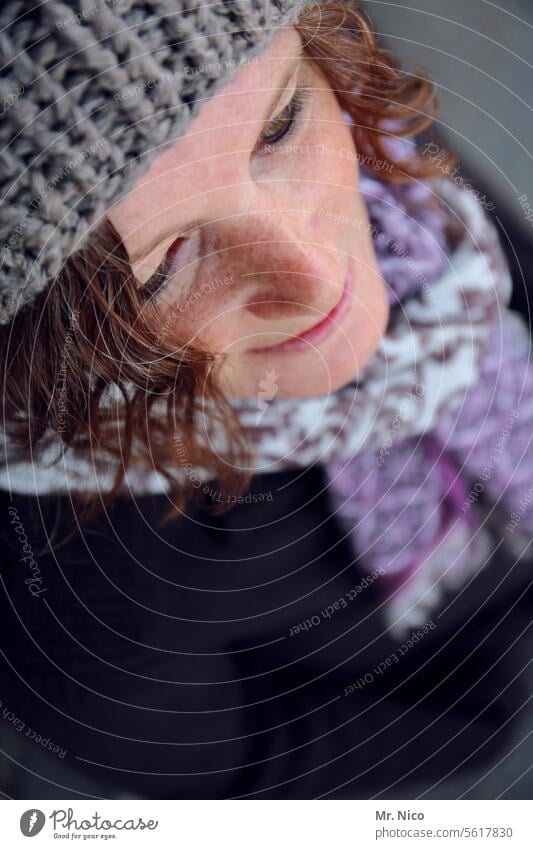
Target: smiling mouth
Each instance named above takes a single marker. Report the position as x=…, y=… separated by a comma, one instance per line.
x=319, y=331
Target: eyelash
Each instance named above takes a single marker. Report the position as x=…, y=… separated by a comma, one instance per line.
x=165, y=271
x=295, y=109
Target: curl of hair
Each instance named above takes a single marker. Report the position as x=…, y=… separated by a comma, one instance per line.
x=93, y=330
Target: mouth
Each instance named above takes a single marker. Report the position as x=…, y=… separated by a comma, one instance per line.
x=319, y=331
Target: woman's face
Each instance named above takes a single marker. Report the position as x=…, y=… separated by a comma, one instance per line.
x=256, y=215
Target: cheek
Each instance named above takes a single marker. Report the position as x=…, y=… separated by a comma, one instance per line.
x=211, y=317
x=330, y=175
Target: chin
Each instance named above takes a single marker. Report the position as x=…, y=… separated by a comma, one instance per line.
x=317, y=371
x=316, y=374
x=326, y=368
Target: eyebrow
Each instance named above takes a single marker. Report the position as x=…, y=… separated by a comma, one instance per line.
x=268, y=115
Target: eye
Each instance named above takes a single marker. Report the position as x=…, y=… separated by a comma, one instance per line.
x=286, y=121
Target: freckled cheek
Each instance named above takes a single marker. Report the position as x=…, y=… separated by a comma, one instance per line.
x=330, y=183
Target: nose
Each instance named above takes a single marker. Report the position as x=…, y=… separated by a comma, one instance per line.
x=281, y=268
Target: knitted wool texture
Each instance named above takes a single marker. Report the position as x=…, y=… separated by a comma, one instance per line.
x=93, y=91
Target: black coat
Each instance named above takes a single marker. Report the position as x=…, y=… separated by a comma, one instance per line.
x=160, y=658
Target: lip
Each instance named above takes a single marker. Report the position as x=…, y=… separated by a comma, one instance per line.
x=319, y=331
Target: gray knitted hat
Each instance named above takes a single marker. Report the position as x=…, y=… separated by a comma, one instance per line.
x=90, y=93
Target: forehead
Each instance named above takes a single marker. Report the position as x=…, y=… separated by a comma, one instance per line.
x=222, y=125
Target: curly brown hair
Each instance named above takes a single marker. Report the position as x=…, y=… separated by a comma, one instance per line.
x=92, y=327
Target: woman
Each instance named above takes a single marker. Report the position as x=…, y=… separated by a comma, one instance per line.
x=259, y=475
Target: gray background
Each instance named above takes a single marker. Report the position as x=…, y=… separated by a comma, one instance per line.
x=480, y=55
